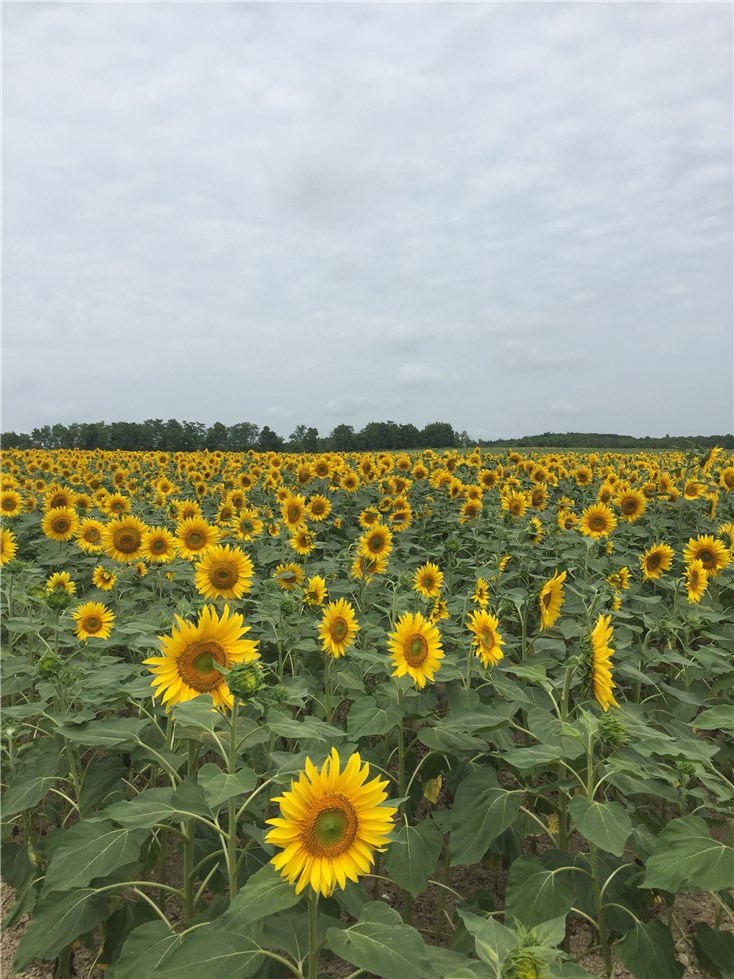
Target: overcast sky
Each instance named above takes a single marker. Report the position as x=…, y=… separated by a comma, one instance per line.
x=512, y=217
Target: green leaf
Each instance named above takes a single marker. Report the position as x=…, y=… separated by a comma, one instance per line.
x=312, y=728
x=480, y=814
x=151, y=806
x=58, y=919
x=648, y=951
x=366, y=719
x=715, y=951
x=685, y=856
x=493, y=941
x=89, y=850
x=110, y=732
x=189, y=798
x=143, y=951
x=413, y=855
x=605, y=824
x=535, y=895
x=101, y=777
x=716, y=719
x=212, y=951
x=393, y=951
x=538, y=754
x=442, y=740
x=218, y=786
x=42, y=765
x=265, y=893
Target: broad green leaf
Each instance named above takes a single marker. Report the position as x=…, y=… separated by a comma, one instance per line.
x=439, y=739
x=211, y=951
x=716, y=719
x=685, y=856
x=58, y=919
x=101, y=777
x=714, y=950
x=605, y=824
x=265, y=893
x=413, y=855
x=89, y=850
x=648, y=951
x=525, y=759
x=311, y=728
x=366, y=719
x=535, y=895
x=144, y=949
x=492, y=940
x=480, y=814
x=151, y=806
x=393, y=951
x=42, y=765
x=189, y=798
x=110, y=732
x=218, y=786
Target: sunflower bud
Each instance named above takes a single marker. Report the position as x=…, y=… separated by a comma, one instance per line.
x=278, y=696
x=245, y=679
x=49, y=666
x=59, y=600
x=612, y=732
x=523, y=963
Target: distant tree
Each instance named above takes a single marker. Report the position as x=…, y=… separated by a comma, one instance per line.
x=438, y=435
x=242, y=436
x=269, y=441
x=216, y=438
x=343, y=439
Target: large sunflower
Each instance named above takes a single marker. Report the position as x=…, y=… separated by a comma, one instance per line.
x=223, y=572
x=487, y=638
x=416, y=649
x=551, y=599
x=194, y=536
x=294, y=511
x=89, y=536
x=93, y=621
x=428, y=580
x=632, y=504
x=159, y=545
x=11, y=503
x=597, y=521
x=377, y=542
x=697, y=581
x=123, y=539
x=330, y=824
x=338, y=628
x=187, y=666
x=319, y=507
x=601, y=665
x=712, y=553
x=8, y=546
x=60, y=523
x=656, y=560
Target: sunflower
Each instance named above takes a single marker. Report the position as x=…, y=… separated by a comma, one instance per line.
x=377, y=542
x=56, y=496
x=289, y=575
x=481, y=593
x=535, y=530
x=369, y=517
x=314, y=592
x=194, y=535
x=93, y=620
x=620, y=579
x=597, y=521
x=294, y=511
x=103, y=579
x=439, y=611
x=187, y=667
x=697, y=581
x=470, y=510
x=60, y=523
x=319, y=507
x=61, y=581
x=303, y=540
x=632, y=504
x=8, y=547
x=726, y=478
x=89, y=536
x=349, y=481
x=487, y=638
x=656, y=560
x=11, y=503
x=247, y=524
x=363, y=567
x=330, y=824
x=600, y=662
x=415, y=647
x=123, y=539
x=712, y=554
x=428, y=580
x=516, y=503
x=223, y=572
x=117, y=504
x=727, y=530
x=551, y=599
x=338, y=628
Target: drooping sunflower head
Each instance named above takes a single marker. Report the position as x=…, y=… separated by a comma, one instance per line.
x=487, y=637
x=93, y=621
x=712, y=553
x=123, y=539
x=415, y=648
x=550, y=600
x=597, y=521
x=192, y=653
x=428, y=580
x=223, y=572
x=330, y=825
x=656, y=560
x=600, y=664
x=338, y=628
x=314, y=591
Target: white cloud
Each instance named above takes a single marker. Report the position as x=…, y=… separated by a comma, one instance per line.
x=418, y=374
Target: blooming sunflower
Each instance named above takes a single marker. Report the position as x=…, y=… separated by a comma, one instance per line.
x=377, y=542
x=515, y=502
x=247, y=524
x=415, y=648
x=294, y=511
x=61, y=581
x=487, y=638
x=11, y=503
x=428, y=580
x=726, y=478
x=712, y=554
x=93, y=621
x=194, y=536
x=481, y=593
x=315, y=591
x=330, y=824
x=338, y=628
x=60, y=523
x=550, y=600
x=632, y=504
x=103, y=579
x=597, y=521
x=8, y=547
x=656, y=560
x=363, y=567
x=89, y=536
x=159, y=545
x=289, y=575
x=187, y=666
x=303, y=540
x=223, y=572
x=319, y=507
x=439, y=611
x=697, y=581
x=123, y=539
x=600, y=662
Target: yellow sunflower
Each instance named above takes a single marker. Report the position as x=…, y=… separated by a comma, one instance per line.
x=289, y=575
x=60, y=523
x=597, y=521
x=551, y=600
x=428, y=580
x=726, y=478
x=8, y=547
x=516, y=503
x=338, y=628
x=415, y=648
x=294, y=511
x=330, y=825
x=632, y=504
x=303, y=540
x=61, y=581
x=601, y=665
x=103, y=579
x=713, y=555
x=481, y=593
x=247, y=524
x=223, y=572
x=697, y=581
x=194, y=536
x=11, y=503
x=159, y=545
x=487, y=638
x=123, y=539
x=89, y=536
x=656, y=560
x=363, y=567
x=93, y=621
x=315, y=591
x=376, y=543
x=439, y=611
x=319, y=507
x=187, y=666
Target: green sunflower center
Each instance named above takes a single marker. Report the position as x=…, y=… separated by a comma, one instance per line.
x=416, y=650
x=339, y=629
x=196, y=665
x=330, y=828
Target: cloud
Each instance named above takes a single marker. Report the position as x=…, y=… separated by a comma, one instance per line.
x=418, y=374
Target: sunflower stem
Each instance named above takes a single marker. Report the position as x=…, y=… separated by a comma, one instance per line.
x=313, y=934
x=437, y=935
x=231, y=804
x=327, y=689
x=187, y=833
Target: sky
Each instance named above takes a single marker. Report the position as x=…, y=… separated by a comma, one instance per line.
x=513, y=217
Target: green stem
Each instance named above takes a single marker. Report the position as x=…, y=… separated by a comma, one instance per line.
x=313, y=936
x=442, y=893
x=600, y=915
x=231, y=804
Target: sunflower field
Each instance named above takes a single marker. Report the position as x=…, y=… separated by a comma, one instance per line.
x=443, y=715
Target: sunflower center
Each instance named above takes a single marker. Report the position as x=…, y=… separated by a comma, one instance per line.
x=92, y=623
x=416, y=650
x=597, y=523
x=92, y=535
x=653, y=561
x=61, y=525
x=339, y=629
x=225, y=576
x=196, y=665
x=428, y=583
x=629, y=506
x=376, y=543
x=8, y=504
x=329, y=830
x=194, y=540
x=706, y=558
x=158, y=546
x=547, y=599
x=294, y=513
x=487, y=639
x=127, y=541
